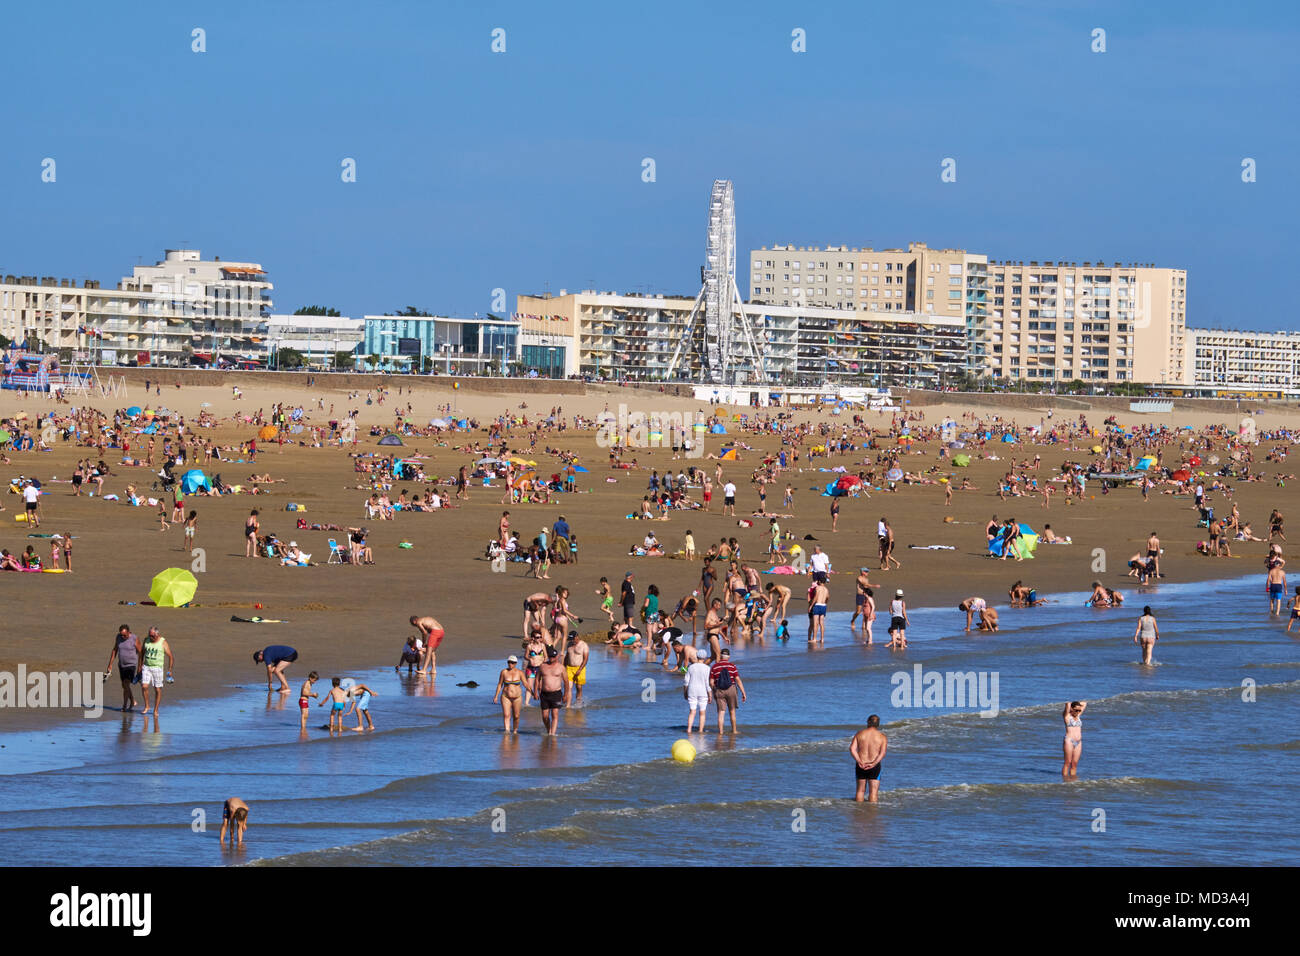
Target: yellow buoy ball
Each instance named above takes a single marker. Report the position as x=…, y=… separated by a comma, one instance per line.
x=795, y=549
x=683, y=751
x=455, y=385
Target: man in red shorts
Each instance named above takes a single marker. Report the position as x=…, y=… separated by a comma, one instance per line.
x=431, y=633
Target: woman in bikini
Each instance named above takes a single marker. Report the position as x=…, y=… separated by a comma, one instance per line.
x=1073, y=745
x=560, y=615
x=510, y=691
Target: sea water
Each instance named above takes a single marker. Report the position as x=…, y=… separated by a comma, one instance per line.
x=1190, y=762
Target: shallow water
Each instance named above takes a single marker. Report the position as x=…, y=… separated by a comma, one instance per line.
x=1177, y=768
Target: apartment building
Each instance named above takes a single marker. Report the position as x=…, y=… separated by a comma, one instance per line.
x=1053, y=321
x=613, y=335
x=1227, y=363
x=162, y=314
x=1062, y=321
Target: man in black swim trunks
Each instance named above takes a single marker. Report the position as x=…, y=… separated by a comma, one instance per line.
x=868, y=749
x=553, y=690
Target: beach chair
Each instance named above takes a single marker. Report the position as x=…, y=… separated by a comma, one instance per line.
x=336, y=553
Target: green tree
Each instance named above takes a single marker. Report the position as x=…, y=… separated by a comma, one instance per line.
x=289, y=358
x=411, y=312
x=317, y=310
x=375, y=360
x=344, y=359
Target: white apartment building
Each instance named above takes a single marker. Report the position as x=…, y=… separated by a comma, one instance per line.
x=1230, y=363
x=162, y=314
x=613, y=335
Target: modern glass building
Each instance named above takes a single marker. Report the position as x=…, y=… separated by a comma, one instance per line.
x=453, y=345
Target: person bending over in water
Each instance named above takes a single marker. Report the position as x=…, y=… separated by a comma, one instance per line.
x=234, y=815
x=1073, y=745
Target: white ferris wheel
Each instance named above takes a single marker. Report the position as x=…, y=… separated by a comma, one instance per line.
x=730, y=352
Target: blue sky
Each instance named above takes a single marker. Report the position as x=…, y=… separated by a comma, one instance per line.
x=517, y=170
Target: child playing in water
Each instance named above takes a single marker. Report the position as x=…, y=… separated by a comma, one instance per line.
x=1295, y=610
x=337, y=698
x=360, y=695
x=303, y=695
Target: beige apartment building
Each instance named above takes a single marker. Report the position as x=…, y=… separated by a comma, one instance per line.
x=1061, y=321
x=1039, y=322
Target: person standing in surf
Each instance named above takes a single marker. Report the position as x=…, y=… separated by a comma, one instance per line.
x=1073, y=745
x=868, y=750
x=1147, y=633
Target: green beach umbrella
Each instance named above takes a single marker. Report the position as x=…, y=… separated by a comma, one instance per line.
x=173, y=587
x=961, y=461
x=4, y=435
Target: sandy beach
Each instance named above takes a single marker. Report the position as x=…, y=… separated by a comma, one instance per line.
x=348, y=619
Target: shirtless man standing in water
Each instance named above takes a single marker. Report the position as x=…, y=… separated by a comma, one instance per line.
x=552, y=686
x=431, y=633
x=868, y=749
x=576, y=653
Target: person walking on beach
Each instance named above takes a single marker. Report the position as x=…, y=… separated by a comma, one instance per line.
x=868, y=749
x=276, y=657
x=251, y=527
x=1147, y=633
x=235, y=816
x=155, y=652
x=726, y=685
x=1072, y=715
x=510, y=691
x=191, y=525
x=126, y=648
